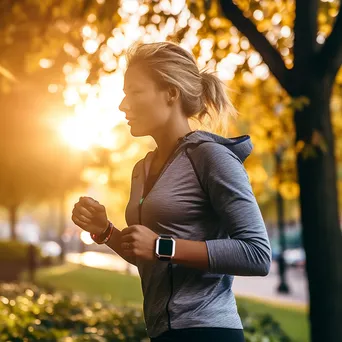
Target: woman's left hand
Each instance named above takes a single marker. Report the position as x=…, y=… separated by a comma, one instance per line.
x=138, y=241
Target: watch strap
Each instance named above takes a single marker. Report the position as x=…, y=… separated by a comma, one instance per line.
x=164, y=258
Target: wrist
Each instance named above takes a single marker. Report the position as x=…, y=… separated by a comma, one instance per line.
x=105, y=236
x=104, y=228
x=192, y=254
x=165, y=247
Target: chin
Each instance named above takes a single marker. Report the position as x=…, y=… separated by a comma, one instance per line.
x=137, y=132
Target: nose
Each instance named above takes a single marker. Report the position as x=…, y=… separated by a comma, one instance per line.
x=124, y=105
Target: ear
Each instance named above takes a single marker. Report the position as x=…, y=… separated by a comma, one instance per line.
x=173, y=94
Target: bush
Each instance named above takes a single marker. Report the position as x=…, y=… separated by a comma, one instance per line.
x=28, y=313
x=15, y=257
x=13, y=251
x=261, y=328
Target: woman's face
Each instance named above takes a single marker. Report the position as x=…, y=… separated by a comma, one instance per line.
x=146, y=106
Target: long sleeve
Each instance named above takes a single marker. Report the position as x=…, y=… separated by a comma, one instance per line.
x=245, y=250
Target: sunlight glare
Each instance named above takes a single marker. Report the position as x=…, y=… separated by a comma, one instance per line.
x=96, y=105
x=86, y=239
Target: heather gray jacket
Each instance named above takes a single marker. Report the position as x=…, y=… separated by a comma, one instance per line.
x=203, y=193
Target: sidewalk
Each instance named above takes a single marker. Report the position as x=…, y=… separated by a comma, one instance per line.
x=262, y=288
x=265, y=288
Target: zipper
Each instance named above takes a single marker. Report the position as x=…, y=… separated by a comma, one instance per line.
x=170, y=272
x=141, y=201
x=167, y=164
x=140, y=205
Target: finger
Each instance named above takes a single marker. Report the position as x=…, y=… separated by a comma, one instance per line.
x=77, y=213
x=128, y=230
x=93, y=205
x=127, y=245
x=79, y=223
x=128, y=253
x=85, y=212
x=127, y=238
x=84, y=219
x=128, y=249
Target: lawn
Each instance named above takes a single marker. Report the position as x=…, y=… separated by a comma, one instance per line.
x=123, y=289
x=292, y=319
x=119, y=288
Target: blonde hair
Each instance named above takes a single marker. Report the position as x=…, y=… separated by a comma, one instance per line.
x=168, y=64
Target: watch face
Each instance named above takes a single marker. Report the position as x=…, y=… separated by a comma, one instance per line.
x=165, y=247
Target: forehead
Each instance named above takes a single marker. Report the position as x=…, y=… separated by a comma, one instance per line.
x=136, y=75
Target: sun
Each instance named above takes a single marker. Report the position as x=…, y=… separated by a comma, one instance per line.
x=94, y=120
x=96, y=106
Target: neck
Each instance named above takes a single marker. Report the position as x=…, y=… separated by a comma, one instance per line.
x=166, y=139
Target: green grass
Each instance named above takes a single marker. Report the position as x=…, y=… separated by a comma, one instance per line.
x=292, y=319
x=123, y=289
x=120, y=289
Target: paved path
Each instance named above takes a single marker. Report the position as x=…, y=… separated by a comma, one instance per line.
x=263, y=288
x=266, y=287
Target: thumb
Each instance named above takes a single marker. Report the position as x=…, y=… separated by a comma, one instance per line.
x=90, y=203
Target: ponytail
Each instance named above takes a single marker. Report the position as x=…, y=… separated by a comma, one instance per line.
x=214, y=97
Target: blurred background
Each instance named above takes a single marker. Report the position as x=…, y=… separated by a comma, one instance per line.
x=62, y=135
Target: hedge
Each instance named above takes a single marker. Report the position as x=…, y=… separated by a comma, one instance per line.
x=29, y=313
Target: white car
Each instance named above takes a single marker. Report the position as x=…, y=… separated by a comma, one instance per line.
x=295, y=257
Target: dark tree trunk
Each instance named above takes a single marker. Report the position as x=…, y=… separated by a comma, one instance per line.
x=12, y=210
x=314, y=72
x=322, y=236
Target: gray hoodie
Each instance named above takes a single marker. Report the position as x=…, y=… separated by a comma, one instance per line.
x=203, y=193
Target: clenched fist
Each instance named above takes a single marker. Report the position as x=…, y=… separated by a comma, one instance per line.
x=138, y=241
x=90, y=215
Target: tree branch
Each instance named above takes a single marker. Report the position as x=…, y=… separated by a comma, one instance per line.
x=269, y=54
x=329, y=58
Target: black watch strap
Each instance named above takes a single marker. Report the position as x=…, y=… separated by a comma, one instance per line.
x=164, y=258
x=165, y=236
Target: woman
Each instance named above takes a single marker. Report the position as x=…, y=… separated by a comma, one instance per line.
x=193, y=221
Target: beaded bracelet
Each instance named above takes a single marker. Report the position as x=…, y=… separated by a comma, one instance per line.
x=105, y=236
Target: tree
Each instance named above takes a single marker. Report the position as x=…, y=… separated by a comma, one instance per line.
x=34, y=163
x=312, y=76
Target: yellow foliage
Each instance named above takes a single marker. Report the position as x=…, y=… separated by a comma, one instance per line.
x=289, y=190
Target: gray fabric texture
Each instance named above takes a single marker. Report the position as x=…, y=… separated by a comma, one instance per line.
x=203, y=193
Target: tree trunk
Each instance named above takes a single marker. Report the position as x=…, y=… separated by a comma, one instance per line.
x=13, y=209
x=322, y=236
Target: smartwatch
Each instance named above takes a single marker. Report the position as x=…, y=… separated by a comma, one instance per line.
x=165, y=247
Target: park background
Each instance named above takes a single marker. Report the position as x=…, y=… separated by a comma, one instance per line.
x=62, y=137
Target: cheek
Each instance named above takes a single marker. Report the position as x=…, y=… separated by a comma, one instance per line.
x=148, y=107
x=140, y=102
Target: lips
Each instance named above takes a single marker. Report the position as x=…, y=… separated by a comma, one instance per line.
x=130, y=120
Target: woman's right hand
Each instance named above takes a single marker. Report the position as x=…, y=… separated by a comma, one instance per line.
x=90, y=215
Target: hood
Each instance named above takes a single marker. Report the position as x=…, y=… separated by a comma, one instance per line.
x=241, y=146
